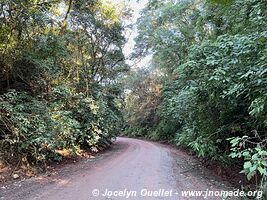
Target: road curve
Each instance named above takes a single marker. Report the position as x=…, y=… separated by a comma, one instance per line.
x=133, y=168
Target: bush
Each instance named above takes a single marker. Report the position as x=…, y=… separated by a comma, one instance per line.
x=26, y=127
x=33, y=130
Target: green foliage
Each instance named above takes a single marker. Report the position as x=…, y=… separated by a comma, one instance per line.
x=213, y=59
x=142, y=99
x=254, y=153
x=255, y=158
x=60, y=63
x=26, y=127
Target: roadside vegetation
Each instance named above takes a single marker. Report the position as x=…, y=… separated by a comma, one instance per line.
x=206, y=88
x=65, y=85
x=59, y=67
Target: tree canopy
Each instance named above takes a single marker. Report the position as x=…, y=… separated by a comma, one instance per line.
x=65, y=84
x=60, y=63
x=210, y=62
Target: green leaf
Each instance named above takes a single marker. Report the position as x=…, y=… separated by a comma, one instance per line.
x=255, y=157
x=262, y=171
x=247, y=165
x=246, y=153
x=250, y=175
x=253, y=168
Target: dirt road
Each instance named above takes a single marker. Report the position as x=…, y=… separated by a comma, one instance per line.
x=132, y=169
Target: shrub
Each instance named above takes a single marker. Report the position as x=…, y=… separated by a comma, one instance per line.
x=26, y=127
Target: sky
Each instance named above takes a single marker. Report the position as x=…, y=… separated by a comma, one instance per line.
x=136, y=7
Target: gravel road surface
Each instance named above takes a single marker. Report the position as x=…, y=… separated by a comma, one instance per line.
x=131, y=169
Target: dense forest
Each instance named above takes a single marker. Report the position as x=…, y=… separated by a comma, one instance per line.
x=65, y=83
x=206, y=88
x=60, y=62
